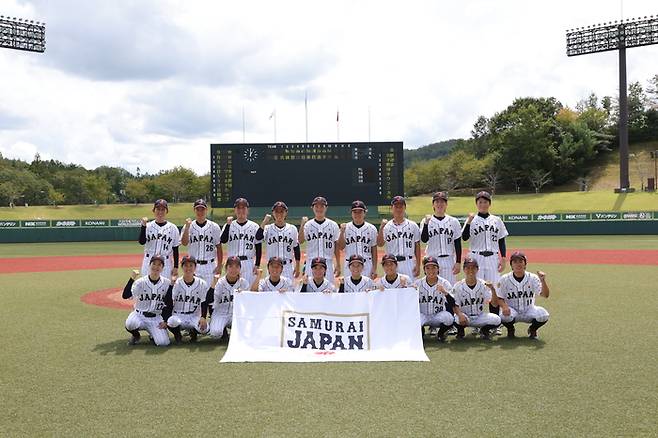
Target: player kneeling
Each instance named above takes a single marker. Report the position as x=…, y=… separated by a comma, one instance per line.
x=357, y=282
x=152, y=295
x=472, y=295
x=435, y=301
x=318, y=281
x=391, y=279
x=274, y=281
x=516, y=293
x=189, y=296
x=222, y=297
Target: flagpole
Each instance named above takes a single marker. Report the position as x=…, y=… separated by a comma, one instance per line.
x=306, y=113
x=275, y=126
x=243, y=127
x=337, y=125
x=368, y=123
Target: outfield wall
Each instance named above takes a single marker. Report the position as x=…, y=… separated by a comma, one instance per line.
x=93, y=230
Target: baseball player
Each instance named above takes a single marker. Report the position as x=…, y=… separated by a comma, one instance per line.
x=356, y=282
x=317, y=281
x=434, y=298
x=282, y=240
x=222, y=297
x=203, y=240
x=471, y=294
x=242, y=239
x=517, y=291
x=401, y=237
x=443, y=236
x=359, y=238
x=391, y=279
x=321, y=235
x=274, y=281
x=152, y=296
x=189, y=299
x=160, y=237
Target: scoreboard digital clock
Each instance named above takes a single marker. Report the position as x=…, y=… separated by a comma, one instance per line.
x=297, y=172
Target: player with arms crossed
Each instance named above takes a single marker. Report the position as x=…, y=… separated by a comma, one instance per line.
x=281, y=240
x=274, y=281
x=443, y=236
x=391, y=279
x=241, y=235
x=356, y=282
x=401, y=237
x=160, y=237
x=203, y=240
x=321, y=236
x=317, y=282
x=359, y=238
x=517, y=291
x=222, y=297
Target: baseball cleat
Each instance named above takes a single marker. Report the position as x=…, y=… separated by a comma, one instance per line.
x=497, y=332
x=475, y=331
x=510, y=333
x=178, y=337
x=532, y=334
x=134, y=340
x=452, y=331
x=460, y=333
x=193, y=336
x=485, y=334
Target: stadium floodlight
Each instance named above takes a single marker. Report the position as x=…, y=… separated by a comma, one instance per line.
x=19, y=34
x=612, y=36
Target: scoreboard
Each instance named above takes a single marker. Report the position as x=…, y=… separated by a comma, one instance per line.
x=297, y=172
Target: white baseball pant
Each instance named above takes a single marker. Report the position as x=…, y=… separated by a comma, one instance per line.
x=206, y=272
x=406, y=267
x=436, y=319
x=166, y=271
x=247, y=270
x=445, y=268
x=289, y=269
x=186, y=322
x=218, y=323
x=532, y=312
x=137, y=321
x=480, y=320
x=487, y=267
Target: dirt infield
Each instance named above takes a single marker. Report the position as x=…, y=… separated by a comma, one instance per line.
x=107, y=298
x=561, y=256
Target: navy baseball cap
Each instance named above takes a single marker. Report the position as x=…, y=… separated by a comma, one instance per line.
x=356, y=205
x=200, y=203
x=518, y=255
x=274, y=260
x=319, y=261
x=280, y=204
x=233, y=260
x=188, y=259
x=429, y=260
x=389, y=258
x=157, y=257
x=319, y=200
x=355, y=258
x=483, y=194
x=161, y=203
x=470, y=262
x=241, y=201
x=440, y=195
x=398, y=200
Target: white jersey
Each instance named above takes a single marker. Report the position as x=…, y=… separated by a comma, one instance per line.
x=187, y=298
x=486, y=232
x=280, y=242
x=359, y=240
x=325, y=286
x=223, y=300
x=400, y=281
x=430, y=299
x=204, y=240
x=442, y=234
x=161, y=239
x=364, y=285
x=242, y=239
x=149, y=296
x=400, y=239
x=321, y=239
x=472, y=301
x=519, y=295
x=284, y=285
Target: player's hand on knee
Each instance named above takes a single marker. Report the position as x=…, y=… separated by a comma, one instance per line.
x=456, y=269
x=162, y=325
x=144, y=220
x=441, y=289
x=134, y=274
x=203, y=324
x=506, y=311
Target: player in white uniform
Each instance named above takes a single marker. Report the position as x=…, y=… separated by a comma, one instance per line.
x=401, y=237
x=152, y=296
x=517, y=291
x=434, y=299
x=443, y=236
x=471, y=295
x=391, y=279
x=274, y=281
x=203, y=240
x=282, y=240
x=241, y=235
x=317, y=281
x=222, y=297
x=356, y=281
x=359, y=238
x=321, y=235
x=160, y=237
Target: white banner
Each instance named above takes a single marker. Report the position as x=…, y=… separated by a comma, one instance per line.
x=318, y=327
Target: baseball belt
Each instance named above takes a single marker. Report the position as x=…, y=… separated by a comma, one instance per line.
x=146, y=314
x=205, y=262
x=403, y=258
x=366, y=259
x=485, y=253
x=443, y=256
x=243, y=257
x=187, y=313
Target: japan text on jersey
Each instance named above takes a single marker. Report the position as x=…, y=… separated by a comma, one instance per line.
x=204, y=240
x=471, y=301
x=161, y=239
x=519, y=295
x=149, y=296
x=187, y=298
x=430, y=299
x=401, y=238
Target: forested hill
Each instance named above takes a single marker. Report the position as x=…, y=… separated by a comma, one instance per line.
x=428, y=152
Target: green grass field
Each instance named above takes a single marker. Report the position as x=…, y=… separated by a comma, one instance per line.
x=66, y=368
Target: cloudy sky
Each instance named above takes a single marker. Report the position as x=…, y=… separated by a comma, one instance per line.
x=153, y=83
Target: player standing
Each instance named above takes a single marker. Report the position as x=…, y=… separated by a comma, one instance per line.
x=282, y=240
x=160, y=237
x=203, y=240
x=517, y=291
x=321, y=236
x=241, y=235
x=434, y=298
x=442, y=233
x=401, y=237
x=359, y=238
x=222, y=297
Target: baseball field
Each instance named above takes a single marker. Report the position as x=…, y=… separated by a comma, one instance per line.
x=66, y=368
